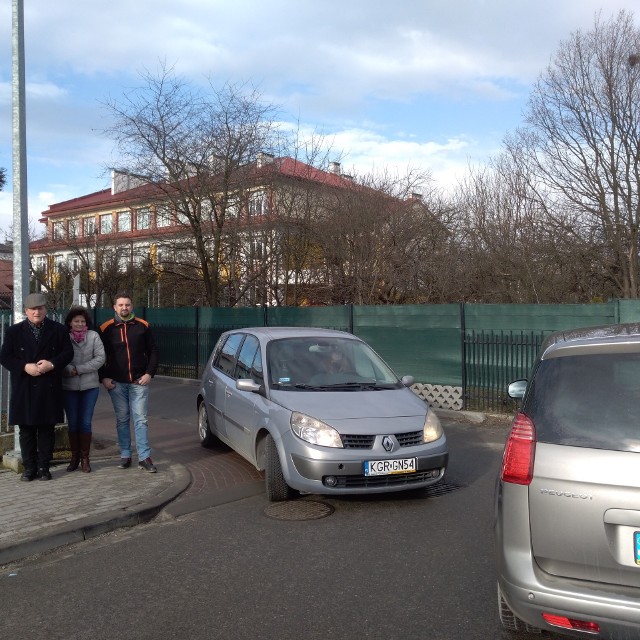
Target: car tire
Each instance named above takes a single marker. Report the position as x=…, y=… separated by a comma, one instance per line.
x=207, y=439
x=510, y=621
x=277, y=488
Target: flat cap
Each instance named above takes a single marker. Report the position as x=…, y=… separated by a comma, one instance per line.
x=34, y=300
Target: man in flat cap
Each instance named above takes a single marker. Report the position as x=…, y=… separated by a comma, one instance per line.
x=36, y=351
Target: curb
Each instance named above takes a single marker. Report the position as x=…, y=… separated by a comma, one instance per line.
x=97, y=525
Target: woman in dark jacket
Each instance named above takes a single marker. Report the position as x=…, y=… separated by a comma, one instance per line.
x=36, y=351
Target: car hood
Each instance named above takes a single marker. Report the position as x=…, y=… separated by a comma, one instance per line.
x=349, y=405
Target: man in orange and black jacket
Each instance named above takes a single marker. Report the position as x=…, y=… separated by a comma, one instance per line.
x=131, y=363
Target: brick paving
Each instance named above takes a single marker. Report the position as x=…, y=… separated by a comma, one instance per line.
x=37, y=515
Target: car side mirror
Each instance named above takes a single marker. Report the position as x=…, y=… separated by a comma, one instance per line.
x=516, y=389
x=246, y=384
x=407, y=381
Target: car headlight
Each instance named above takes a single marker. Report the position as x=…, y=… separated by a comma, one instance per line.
x=314, y=431
x=432, y=429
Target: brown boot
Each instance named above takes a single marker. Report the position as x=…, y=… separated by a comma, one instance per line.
x=74, y=443
x=85, y=445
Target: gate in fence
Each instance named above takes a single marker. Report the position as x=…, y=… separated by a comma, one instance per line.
x=491, y=361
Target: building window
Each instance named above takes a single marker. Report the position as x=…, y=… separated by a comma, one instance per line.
x=141, y=255
x=73, y=228
x=257, y=203
x=58, y=230
x=125, y=259
x=163, y=216
x=205, y=210
x=106, y=223
x=88, y=226
x=233, y=207
x=59, y=263
x=41, y=264
x=124, y=221
x=143, y=218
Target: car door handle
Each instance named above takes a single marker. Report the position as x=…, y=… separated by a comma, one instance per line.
x=227, y=392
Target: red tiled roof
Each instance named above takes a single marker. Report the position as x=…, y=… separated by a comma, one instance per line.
x=97, y=200
x=286, y=167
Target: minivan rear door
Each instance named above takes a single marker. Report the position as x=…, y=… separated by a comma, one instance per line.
x=584, y=498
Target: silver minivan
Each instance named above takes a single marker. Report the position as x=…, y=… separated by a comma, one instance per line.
x=568, y=497
x=319, y=412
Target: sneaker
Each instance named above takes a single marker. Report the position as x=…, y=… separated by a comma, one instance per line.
x=147, y=465
x=44, y=474
x=125, y=463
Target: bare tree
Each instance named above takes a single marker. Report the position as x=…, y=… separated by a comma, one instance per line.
x=375, y=237
x=581, y=145
x=511, y=254
x=193, y=149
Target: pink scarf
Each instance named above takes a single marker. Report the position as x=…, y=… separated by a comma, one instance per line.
x=79, y=336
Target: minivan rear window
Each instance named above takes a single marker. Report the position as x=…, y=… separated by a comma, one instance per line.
x=587, y=401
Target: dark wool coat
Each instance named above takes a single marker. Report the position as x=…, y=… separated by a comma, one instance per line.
x=36, y=399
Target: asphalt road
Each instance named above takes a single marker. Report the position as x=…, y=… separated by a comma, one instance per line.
x=407, y=565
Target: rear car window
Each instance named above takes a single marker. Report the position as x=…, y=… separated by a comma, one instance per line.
x=587, y=401
x=226, y=359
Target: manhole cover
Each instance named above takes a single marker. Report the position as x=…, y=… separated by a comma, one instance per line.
x=441, y=489
x=298, y=510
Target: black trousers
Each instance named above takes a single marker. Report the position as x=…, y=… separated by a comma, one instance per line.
x=36, y=445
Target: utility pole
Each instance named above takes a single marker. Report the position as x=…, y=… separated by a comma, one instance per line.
x=20, y=201
x=20, y=210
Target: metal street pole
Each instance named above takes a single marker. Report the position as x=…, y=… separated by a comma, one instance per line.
x=20, y=210
x=20, y=202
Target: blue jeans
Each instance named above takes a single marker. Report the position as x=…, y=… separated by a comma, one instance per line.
x=79, y=406
x=131, y=401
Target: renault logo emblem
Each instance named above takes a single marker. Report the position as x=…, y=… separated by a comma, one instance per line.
x=387, y=443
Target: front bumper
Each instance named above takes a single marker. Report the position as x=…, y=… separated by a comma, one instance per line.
x=341, y=471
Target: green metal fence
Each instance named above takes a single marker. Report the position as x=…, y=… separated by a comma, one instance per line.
x=492, y=361
x=479, y=347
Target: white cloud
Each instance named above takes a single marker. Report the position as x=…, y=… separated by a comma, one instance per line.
x=432, y=82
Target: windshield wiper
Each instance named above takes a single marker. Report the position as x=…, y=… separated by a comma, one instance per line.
x=358, y=386
x=309, y=387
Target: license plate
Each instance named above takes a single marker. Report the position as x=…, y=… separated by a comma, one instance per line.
x=636, y=546
x=389, y=467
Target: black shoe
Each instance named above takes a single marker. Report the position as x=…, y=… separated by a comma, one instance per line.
x=125, y=463
x=28, y=476
x=147, y=465
x=44, y=474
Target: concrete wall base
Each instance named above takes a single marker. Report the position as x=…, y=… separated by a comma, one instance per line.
x=11, y=459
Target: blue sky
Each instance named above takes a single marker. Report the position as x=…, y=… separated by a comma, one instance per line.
x=430, y=84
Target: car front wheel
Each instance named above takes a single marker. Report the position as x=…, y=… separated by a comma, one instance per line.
x=277, y=487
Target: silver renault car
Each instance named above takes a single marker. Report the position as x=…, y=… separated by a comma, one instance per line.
x=568, y=498
x=319, y=412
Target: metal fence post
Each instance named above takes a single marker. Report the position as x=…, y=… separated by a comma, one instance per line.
x=197, y=341
x=463, y=372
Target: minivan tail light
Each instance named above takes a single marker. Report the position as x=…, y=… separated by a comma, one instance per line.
x=519, y=451
x=570, y=623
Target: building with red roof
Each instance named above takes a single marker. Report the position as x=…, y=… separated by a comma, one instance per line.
x=139, y=223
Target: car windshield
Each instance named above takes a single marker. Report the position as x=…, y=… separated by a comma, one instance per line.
x=327, y=364
x=587, y=401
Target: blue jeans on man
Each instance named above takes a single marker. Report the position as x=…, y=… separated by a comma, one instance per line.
x=130, y=401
